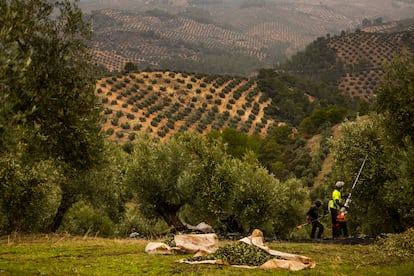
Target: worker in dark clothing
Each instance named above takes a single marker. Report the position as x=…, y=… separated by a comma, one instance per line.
x=313, y=218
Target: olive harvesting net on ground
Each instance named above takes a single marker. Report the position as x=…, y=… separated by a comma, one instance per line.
x=249, y=252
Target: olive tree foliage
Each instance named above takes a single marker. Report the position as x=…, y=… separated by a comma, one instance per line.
x=49, y=112
x=190, y=178
x=262, y=201
x=162, y=175
x=396, y=103
x=101, y=206
x=382, y=198
x=395, y=98
x=361, y=138
x=30, y=193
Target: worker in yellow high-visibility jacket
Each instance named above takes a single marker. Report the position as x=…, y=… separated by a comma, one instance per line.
x=335, y=205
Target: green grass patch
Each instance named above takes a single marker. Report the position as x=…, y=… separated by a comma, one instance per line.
x=68, y=255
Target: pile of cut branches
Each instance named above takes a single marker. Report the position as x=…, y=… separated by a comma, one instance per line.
x=238, y=253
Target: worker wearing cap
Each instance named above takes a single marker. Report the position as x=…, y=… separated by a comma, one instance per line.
x=335, y=204
x=313, y=218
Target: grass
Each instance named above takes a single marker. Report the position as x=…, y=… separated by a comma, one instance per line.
x=68, y=255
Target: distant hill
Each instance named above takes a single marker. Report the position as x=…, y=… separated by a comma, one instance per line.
x=223, y=37
x=354, y=62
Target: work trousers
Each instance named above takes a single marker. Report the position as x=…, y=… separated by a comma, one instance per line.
x=338, y=227
x=316, y=225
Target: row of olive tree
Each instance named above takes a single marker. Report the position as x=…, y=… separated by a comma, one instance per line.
x=382, y=199
x=190, y=178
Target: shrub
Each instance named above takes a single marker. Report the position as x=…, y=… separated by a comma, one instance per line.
x=82, y=219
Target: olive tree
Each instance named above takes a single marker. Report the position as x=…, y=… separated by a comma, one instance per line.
x=368, y=214
x=29, y=191
x=262, y=201
x=395, y=98
x=191, y=178
x=382, y=200
x=161, y=174
x=47, y=88
x=100, y=205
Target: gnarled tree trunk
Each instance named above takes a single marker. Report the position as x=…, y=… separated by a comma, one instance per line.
x=169, y=214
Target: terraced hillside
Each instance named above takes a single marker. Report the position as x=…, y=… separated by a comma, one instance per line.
x=223, y=36
x=163, y=103
x=364, y=56
x=161, y=41
x=209, y=38
x=353, y=61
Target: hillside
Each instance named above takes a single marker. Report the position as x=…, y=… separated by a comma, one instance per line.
x=233, y=37
x=364, y=56
x=164, y=103
x=354, y=62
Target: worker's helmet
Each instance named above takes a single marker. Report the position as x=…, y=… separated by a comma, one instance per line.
x=339, y=184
